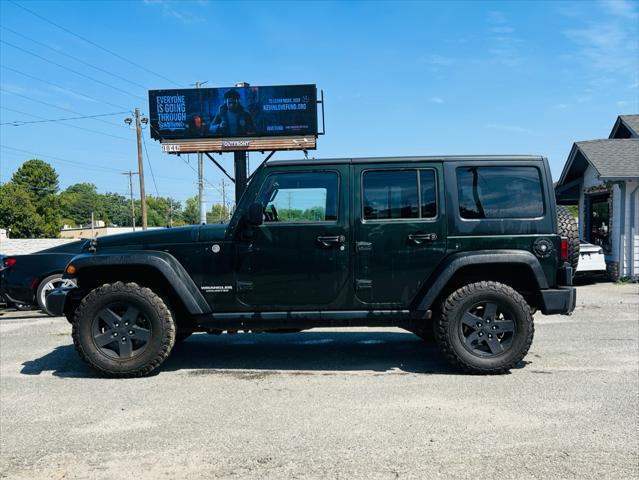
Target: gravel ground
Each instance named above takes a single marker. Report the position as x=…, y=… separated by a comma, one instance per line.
x=356, y=403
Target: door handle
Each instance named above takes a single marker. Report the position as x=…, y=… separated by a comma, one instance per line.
x=419, y=238
x=329, y=240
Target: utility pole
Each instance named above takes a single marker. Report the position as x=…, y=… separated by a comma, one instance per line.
x=240, y=161
x=138, y=129
x=130, y=174
x=224, y=212
x=200, y=173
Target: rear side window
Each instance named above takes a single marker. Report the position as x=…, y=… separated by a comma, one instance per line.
x=499, y=192
x=399, y=194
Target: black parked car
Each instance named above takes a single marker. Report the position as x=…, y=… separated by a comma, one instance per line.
x=26, y=279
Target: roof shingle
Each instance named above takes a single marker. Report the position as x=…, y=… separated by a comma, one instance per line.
x=613, y=158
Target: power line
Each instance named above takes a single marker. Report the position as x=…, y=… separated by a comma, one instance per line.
x=61, y=87
x=59, y=159
x=204, y=178
x=71, y=70
x=61, y=108
x=18, y=123
x=70, y=32
x=98, y=168
x=66, y=124
x=124, y=79
x=148, y=161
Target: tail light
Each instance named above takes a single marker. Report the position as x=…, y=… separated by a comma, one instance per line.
x=564, y=249
x=8, y=262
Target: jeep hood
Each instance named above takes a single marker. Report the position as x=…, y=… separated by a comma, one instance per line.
x=162, y=236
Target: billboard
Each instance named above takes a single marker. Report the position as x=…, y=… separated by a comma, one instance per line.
x=233, y=112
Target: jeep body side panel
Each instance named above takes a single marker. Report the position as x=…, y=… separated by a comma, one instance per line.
x=393, y=257
x=504, y=233
x=298, y=264
x=457, y=261
x=162, y=262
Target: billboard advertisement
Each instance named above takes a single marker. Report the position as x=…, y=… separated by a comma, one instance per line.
x=232, y=112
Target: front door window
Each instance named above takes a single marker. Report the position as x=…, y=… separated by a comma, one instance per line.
x=300, y=197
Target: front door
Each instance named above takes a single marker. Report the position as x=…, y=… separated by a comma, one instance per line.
x=299, y=257
x=399, y=231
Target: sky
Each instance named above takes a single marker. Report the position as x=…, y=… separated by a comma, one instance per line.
x=399, y=78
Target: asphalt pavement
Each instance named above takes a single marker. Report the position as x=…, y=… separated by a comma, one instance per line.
x=329, y=404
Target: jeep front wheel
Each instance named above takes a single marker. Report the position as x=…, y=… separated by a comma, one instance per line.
x=485, y=327
x=123, y=330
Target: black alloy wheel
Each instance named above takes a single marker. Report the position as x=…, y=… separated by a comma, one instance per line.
x=121, y=331
x=487, y=329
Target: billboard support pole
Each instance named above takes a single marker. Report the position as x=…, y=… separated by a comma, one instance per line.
x=200, y=186
x=240, y=174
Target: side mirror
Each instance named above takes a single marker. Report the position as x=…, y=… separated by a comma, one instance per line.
x=255, y=214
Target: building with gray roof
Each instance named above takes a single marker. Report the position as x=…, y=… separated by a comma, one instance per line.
x=602, y=178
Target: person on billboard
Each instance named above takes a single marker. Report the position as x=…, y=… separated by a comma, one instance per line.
x=232, y=119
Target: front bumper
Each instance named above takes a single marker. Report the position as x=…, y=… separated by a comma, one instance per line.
x=559, y=300
x=57, y=299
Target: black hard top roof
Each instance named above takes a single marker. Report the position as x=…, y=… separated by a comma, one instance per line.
x=440, y=158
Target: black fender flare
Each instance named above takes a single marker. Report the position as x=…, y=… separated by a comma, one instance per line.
x=439, y=279
x=164, y=263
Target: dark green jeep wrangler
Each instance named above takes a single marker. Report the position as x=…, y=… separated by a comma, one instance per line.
x=462, y=249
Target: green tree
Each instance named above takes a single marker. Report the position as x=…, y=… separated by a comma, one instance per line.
x=40, y=180
x=38, y=177
x=161, y=211
x=117, y=209
x=219, y=214
x=79, y=200
x=18, y=214
x=191, y=213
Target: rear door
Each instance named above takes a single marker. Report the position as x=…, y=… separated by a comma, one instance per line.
x=399, y=230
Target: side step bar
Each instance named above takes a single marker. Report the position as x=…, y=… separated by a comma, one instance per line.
x=310, y=319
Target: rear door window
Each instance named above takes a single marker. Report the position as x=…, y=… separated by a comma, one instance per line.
x=399, y=194
x=499, y=192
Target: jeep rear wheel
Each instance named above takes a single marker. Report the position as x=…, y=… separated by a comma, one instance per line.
x=123, y=330
x=485, y=327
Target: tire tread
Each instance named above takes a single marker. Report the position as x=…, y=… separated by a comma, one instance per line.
x=444, y=319
x=144, y=293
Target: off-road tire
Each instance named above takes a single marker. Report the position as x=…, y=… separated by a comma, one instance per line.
x=162, y=338
x=450, y=341
x=568, y=228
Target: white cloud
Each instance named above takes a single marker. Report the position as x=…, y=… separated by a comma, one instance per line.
x=606, y=47
x=502, y=29
x=496, y=17
x=621, y=8
x=438, y=60
x=511, y=129
x=177, y=10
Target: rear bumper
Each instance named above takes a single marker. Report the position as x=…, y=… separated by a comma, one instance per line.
x=57, y=299
x=559, y=300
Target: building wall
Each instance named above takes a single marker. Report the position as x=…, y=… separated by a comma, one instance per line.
x=24, y=246
x=628, y=236
x=623, y=257
x=78, y=233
